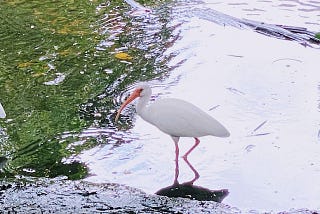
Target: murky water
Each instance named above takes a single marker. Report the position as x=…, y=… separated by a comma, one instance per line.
x=264, y=90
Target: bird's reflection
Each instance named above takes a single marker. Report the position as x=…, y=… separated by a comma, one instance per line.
x=187, y=189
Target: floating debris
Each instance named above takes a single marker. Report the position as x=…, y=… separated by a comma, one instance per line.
x=254, y=134
x=258, y=127
x=123, y=56
x=249, y=148
x=60, y=77
x=235, y=91
x=2, y=112
x=214, y=107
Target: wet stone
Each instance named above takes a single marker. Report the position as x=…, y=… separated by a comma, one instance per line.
x=64, y=196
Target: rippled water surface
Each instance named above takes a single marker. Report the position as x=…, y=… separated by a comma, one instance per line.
x=61, y=99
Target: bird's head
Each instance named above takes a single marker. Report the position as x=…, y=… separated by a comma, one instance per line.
x=144, y=90
x=140, y=91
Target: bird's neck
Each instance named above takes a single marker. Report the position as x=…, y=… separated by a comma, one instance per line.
x=142, y=106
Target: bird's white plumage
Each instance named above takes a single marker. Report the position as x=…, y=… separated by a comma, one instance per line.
x=175, y=117
x=2, y=112
x=178, y=118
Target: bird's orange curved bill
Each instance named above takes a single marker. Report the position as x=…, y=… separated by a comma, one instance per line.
x=133, y=96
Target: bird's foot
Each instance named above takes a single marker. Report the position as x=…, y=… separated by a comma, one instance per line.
x=188, y=183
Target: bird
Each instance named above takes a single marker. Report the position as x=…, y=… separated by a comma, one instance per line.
x=2, y=112
x=175, y=117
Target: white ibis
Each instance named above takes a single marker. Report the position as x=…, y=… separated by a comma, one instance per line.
x=175, y=117
x=2, y=112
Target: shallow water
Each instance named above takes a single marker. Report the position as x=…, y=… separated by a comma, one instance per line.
x=264, y=90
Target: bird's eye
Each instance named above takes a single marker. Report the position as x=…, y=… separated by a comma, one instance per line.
x=140, y=90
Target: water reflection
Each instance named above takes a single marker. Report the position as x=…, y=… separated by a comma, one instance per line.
x=188, y=189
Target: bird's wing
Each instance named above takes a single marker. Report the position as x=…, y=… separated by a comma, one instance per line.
x=180, y=118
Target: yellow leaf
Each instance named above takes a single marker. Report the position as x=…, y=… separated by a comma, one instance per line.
x=38, y=74
x=25, y=64
x=123, y=56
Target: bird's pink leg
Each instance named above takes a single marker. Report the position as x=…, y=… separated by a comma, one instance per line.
x=176, y=140
x=196, y=174
x=185, y=156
